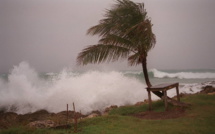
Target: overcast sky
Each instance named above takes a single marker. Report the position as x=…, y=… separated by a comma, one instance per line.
x=50, y=33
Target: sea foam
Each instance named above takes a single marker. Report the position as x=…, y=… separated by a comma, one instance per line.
x=26, y=92
x=183, y=75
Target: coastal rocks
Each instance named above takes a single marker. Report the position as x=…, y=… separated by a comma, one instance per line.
x=142, y=102
x=110, y=108
x=38, y=115
x=8, y=119
x=8, y=116
x=208, y=90
x=41, y=124
x=92, y=115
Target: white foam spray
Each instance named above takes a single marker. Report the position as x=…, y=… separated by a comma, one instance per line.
x=183, y=75
x=26, y=92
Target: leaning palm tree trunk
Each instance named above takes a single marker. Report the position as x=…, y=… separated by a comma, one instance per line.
x=145, y=72
x=148, y=83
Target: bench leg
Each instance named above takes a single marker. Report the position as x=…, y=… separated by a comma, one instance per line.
x=150, y=100
x=165, y=100
x=177, y=92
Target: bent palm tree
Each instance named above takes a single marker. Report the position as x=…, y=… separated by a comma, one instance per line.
x=126, y=32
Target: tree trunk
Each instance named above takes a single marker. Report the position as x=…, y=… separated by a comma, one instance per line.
x=148, y=83
x=145, y=72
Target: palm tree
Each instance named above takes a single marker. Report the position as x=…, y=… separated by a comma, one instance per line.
x=126, y=32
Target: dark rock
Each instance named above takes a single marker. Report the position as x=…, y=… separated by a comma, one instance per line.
x=38, y=115
x=8, y=119
x=110, y=108
x=208, y=89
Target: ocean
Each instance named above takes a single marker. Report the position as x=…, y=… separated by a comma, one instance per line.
x=25, y=90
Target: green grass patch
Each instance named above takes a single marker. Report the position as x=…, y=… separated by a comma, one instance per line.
x=198, y=119
x=157, y=106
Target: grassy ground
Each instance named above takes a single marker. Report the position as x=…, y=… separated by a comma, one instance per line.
x=198, y=119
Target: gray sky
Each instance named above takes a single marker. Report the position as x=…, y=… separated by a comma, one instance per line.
x=50, y=33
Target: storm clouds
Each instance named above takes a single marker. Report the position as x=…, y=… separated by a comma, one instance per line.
x=49, y=34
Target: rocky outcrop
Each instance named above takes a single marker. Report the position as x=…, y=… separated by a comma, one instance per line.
x=92, y=115
x=8, y=119
x=35, y=116
x=110, y=108
x=208, y=90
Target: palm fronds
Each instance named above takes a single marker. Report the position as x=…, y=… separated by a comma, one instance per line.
x=101, y=53
x=125, y=30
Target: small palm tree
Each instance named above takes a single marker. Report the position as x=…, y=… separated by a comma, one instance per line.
x=126, y=32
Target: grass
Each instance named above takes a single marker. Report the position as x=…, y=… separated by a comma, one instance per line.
x=198, y=119
x=129, y=110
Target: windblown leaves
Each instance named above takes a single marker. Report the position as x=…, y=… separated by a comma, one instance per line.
x=101, y=53
x=125, y=31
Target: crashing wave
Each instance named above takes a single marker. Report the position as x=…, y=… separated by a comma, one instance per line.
x=25, y=91
x=183, y=75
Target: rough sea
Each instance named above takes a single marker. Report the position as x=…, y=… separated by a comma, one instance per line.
x=25, y=90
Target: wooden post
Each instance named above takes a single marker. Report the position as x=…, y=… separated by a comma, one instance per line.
x=73, y=106
x=67, y=115
x=150, y=100
x=75, y=120
x=165, y=100
x=177, y=92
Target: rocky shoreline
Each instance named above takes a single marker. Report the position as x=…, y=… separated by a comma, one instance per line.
x=45, y=119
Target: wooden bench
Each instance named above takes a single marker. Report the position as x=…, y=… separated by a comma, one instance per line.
x=163, y=88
